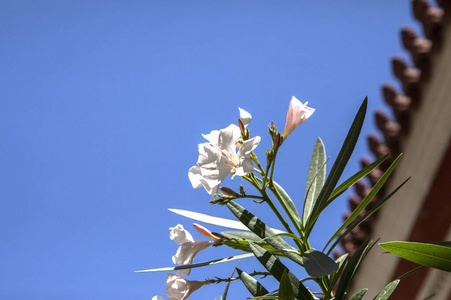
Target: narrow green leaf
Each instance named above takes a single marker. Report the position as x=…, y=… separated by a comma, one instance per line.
x=364, y=217
x=261, y=230
x=315, y=178
x=197, y=265
x=359, y=294
x=253, y=286
x=333, y=278
x=354, y=178
x=338, y=166
x=239, y=235
x=318, y=264
x=365, y=201
x=285, y=289
x=410, y=272
x=429, y=255
x=351, y=268
x=226, y=289
x=288, y=202
x=276, y=268
x=243, y=245
x=387, y=290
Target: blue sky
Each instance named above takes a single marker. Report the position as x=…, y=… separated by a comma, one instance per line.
x=103, y=103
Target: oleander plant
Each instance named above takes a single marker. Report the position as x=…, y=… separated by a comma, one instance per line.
x=230, y=152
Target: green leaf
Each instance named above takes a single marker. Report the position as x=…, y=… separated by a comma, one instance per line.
x=243, y=245
x=315, y=178
x=359, y=294
x=197, y=265
x=276, y=268
x=351, y=268
x=338, y=167
x=356, y=177
x=387, y=290
x=365, y=201
x=364, y=217
x=287, y=200
x=226, y=289
x=213, y=220
x=285, y=289
x=252, y=285
x=318, y=264
x=430, y=255
x=333, y=278
x=261, y=230
x=239, y=235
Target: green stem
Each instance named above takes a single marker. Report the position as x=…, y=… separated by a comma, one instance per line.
x=269, y=201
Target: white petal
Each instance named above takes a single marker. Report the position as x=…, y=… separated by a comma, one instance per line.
x=248, y=146
x=245, y=117
x=157, y=298
x=246, y=167
x=208, y=155
x=195, y=177
x=212, y=137
x=180, y=235
x=228, y=137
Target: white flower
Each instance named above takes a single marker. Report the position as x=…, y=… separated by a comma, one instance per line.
x=218, y=158
x=179, y=288
x=188, y=249
x=157, y=298
x=297, y=114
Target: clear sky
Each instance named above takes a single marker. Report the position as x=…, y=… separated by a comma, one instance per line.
x=103, y=103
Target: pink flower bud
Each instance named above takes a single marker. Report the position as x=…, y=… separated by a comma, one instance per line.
x=297, y=114
x=204, y=231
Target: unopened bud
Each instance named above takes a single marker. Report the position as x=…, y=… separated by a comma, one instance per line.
x=242, y=128
x=242, y=191
x=227, y=191
x=204, y=231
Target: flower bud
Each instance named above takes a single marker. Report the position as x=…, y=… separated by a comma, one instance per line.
x=204, y=231
x=227, y=191
x=297, y=114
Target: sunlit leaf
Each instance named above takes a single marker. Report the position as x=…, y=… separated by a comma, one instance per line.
x=315, y=178
x=359, y=294
x=430, y=255
x=214, y=220
x=288, y=202
x=338, y=166
x=197, y=265
x=387, y=290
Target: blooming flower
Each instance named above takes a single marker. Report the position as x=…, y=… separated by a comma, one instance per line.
x=179, y=288
x=188, y=249
x=218, y=158
x=297, y=114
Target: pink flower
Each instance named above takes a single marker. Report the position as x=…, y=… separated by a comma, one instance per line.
x=297, y=114
x=189, y=247
x=179, y=288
